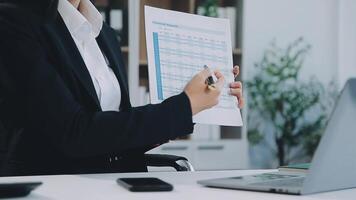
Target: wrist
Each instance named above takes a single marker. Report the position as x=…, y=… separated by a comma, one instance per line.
x=193, y=104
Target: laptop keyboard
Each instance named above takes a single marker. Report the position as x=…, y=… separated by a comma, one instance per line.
x=286, y=182
x=270, y=176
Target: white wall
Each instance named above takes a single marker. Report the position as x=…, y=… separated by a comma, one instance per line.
x=347, y=40
x=285, y=21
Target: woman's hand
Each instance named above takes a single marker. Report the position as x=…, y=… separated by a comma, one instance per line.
x=236, y=88
x=200, y=96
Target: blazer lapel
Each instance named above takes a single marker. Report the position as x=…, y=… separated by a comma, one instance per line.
x=110, y=47
x=70, y=55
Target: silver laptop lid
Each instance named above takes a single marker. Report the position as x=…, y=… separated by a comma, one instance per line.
x=334, y=162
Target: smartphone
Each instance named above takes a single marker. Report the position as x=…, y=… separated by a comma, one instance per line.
x=144, y=184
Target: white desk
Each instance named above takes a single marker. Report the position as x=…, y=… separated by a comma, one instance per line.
x=103, y=186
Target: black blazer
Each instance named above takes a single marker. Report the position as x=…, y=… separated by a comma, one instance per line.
x=51, y=104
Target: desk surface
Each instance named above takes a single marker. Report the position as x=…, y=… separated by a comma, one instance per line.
x=103, y=186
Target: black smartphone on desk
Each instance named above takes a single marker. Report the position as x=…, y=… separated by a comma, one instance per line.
x=144, y=184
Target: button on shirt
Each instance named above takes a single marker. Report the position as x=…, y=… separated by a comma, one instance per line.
x=84, y=26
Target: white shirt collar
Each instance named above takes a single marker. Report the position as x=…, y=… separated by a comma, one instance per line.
x=81, y=24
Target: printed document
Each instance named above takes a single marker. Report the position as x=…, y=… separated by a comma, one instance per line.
x=178, y=47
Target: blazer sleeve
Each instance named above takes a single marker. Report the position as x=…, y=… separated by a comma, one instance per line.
x=49, y=107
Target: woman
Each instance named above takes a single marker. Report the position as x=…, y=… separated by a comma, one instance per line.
x=69, y=103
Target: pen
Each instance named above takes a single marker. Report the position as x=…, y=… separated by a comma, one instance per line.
x=210, y=81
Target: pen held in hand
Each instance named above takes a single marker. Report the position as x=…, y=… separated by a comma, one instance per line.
x=210, y=80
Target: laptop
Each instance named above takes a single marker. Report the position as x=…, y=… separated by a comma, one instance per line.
x=333, y=166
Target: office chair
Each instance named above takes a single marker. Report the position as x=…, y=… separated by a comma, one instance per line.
x=179, y=163
x=7, y=136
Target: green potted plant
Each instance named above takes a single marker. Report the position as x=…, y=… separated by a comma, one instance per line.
x=292, y=111
x=210, y=8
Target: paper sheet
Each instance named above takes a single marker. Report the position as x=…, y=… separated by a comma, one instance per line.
x=178, y=46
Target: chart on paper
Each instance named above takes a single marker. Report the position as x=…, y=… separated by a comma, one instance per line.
x=178, y=46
